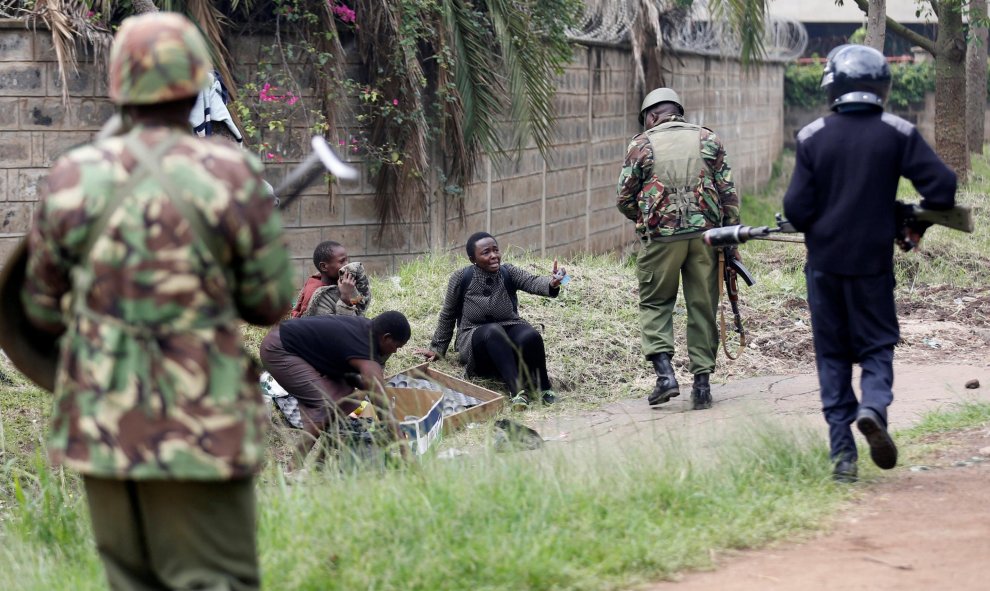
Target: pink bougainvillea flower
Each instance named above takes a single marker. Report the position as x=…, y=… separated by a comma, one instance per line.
x=343, y=12
x=265, y=95
x=270, y=156
x=340, y=143
x=293, y=99
x=395, y=102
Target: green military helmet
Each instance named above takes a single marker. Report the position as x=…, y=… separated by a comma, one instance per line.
x=657, y=96
x=156, y=58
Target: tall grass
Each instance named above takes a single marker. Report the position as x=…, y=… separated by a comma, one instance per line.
x=601, y=518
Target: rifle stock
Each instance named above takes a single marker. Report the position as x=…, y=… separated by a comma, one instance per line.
x=959, y=217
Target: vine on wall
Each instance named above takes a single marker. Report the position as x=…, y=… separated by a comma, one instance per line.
x=443, y=73
x=440, y=79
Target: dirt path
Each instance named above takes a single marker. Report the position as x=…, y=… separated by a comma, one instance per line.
x=919, y=531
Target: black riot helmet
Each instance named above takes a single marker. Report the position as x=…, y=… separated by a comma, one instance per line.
x=856, y=74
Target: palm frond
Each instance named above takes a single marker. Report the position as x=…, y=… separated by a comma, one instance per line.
x=474, y=109
x=529, y=65
x=748, y=19
x=400, y=189
x=68, y=20
x=646, y=37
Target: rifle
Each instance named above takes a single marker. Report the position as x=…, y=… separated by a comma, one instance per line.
x=909, y=216
x=732, y=268
x=733, y=235
x=321, y=160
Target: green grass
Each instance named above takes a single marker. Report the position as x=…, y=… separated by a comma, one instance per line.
x=583, y=517
x=601, y=518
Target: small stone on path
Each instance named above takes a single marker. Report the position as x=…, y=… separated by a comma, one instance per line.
x=972, y=384
x=985, y=451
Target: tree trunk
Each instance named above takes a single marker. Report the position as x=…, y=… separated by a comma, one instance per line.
x=950, y=88
x=876, y=24
x=143, y=6
x=976, y=76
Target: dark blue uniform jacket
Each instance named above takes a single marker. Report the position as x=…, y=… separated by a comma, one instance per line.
x=843, y=192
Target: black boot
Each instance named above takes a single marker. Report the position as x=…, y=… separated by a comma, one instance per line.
x=701, y=392
x=666, y=387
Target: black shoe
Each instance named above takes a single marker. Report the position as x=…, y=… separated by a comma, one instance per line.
x=845, y=472
x=666, y=387
x=701, y=392
x=882, y=448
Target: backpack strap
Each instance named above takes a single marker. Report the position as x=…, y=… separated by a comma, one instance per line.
x=190, y=212
x=510, y=286
x=461, y=290
x=82, y=275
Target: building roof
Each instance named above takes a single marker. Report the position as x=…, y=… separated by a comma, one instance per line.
x=825, y=11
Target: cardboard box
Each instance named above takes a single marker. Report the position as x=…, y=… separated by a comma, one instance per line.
x=491, y=402
x=422, y=432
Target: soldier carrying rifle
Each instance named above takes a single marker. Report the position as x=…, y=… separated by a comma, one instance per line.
x=843, y=197
x=675, y=184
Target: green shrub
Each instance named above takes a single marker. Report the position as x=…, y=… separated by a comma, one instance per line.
x=802, y=85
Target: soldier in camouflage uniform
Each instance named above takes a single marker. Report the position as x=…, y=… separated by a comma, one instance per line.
x=675, y=184
x=146, y=249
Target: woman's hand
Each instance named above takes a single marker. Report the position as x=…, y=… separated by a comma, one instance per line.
x=557, y=276
x=428, y=354
x=348, y=287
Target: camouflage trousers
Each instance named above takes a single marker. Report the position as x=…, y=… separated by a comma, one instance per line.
x=167, y=534
x=660, y=267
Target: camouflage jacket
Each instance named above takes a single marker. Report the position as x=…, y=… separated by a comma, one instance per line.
x=153, y=381
x=685, y=189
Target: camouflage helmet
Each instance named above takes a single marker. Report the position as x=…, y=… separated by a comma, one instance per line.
x=156, y=58
x=657, y=96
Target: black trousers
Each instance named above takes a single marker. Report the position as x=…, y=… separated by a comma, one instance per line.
x=853, y=320
x=515, y=354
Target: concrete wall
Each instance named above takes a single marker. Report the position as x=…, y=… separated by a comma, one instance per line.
x=559, y=207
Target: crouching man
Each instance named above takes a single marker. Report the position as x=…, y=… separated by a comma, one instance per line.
x=319, y=359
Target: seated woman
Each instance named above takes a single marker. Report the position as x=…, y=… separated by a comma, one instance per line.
x=493, y=341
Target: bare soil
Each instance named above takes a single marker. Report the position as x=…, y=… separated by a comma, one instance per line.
x=921, y=528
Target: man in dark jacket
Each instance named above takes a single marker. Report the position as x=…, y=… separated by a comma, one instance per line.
x=843, y=197
x=320, y=359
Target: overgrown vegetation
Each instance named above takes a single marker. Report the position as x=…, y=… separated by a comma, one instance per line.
x=451, y=75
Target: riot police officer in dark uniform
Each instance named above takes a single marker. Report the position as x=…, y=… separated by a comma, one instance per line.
x=843, y=197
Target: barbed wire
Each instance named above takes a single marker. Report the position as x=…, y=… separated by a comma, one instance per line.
x=606, y=21
x=10, y=8
x=693, y=30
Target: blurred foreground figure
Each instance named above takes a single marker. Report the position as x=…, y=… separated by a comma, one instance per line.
x=843, y=197
x=146, y=250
